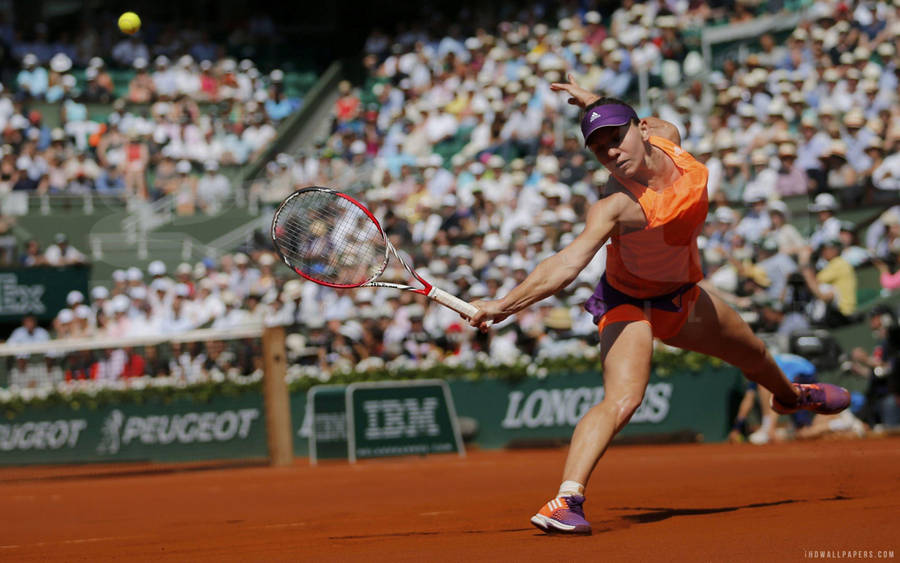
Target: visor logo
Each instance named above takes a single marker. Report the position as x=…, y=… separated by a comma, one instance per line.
x=594, y=116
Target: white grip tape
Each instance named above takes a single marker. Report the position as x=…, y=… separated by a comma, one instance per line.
x=452, y=302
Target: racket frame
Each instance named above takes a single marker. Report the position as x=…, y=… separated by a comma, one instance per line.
x=427, y=289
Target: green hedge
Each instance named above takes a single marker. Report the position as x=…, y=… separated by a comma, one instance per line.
x=93, y=394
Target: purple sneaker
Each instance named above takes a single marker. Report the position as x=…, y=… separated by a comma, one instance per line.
x=820, y=398
x=562, y=514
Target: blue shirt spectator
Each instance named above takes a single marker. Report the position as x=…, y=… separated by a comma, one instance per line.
x=32, y=79
x=280, y=107
x=110, y=182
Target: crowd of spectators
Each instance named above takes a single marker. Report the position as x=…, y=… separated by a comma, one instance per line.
x=189, y=111
x=478, y=171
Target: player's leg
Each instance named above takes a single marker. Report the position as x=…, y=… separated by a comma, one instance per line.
x=626, y=349
x=715, y=329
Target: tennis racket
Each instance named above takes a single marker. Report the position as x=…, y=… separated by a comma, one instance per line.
x=333, y=240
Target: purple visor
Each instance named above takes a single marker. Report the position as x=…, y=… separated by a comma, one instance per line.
x=611, y=115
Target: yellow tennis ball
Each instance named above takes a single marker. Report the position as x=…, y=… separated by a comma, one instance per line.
x=129, y=23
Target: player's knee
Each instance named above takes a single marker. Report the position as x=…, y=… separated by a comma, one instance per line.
x=625, y=407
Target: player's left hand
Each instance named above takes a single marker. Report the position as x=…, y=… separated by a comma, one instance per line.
x=578, y=95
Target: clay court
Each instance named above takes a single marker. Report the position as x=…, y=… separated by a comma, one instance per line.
x=680, y=502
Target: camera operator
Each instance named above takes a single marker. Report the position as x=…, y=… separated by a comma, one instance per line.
x=882, y=405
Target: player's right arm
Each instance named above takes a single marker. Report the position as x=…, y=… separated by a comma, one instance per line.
x=556, y=272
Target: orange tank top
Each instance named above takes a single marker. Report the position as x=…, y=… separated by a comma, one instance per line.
x=663, y=256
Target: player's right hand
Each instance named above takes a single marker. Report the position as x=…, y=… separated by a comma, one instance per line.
x=489, y=312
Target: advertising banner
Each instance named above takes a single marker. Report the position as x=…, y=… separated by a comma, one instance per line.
x=224, y=428
x=40, y=291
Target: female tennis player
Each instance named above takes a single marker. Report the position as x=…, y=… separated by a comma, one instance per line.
x=654, y=207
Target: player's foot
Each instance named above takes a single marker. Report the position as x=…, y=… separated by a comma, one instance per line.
x=563, y=515
x=759, y=438
x=821, y=398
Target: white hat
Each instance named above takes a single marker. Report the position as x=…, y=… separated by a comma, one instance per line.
x=295, y=342
x=184, y=269
x=119, y=275
x=492, y=242
x=83, y=312
x=138, y=292
x=787, y=149
x=365, y=295
x=415, y=311
x=99, y=292
x=823, y=202
x=836, y=148
x=60, y=62
x=74, y=297
x=566, y=215
x=120, y=303
x=161, y=284
x=582, y=294
x=854, y=118
x=65, y=316
x=293, y=289
x=778, y=206
x=157, y=268
x=746, y=110
x=182, y=290
x=241, y=258
x=211, y=165
x=725, y=215
x=183, y=167
x=134, y=274
x=759, y=157
x=732, y=159
x=754, y=194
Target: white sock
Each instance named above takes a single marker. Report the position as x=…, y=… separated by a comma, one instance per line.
x=569, y=488
x=767, y=423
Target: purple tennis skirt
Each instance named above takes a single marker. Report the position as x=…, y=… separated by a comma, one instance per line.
x=606, y=298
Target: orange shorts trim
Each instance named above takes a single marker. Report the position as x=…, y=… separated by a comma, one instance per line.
x=664, y=324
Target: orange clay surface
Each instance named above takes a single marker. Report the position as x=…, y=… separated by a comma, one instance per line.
x=646, y=503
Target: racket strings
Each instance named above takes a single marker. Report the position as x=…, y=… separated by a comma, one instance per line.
x=330, y=239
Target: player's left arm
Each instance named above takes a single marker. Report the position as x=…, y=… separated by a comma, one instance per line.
x=662, y=128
